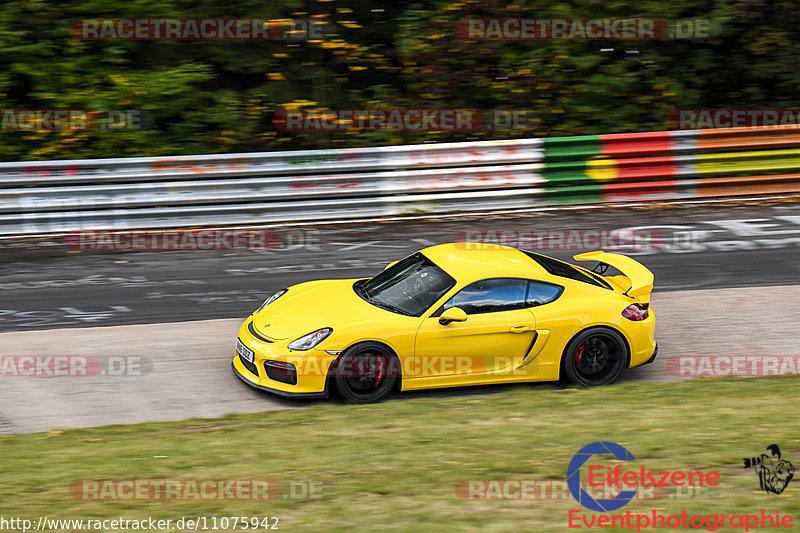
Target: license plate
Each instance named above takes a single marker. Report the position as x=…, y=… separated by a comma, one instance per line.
x=243, y=351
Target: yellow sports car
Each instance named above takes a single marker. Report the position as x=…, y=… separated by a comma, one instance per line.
x=452, y=315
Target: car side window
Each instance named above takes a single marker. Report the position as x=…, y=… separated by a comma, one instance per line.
x=540, y=293
x=491, y=296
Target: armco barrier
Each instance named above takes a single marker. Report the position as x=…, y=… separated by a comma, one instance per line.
x=316, y=185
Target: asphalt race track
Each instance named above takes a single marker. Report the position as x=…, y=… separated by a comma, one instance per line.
x=45, y=286
x=721, y=273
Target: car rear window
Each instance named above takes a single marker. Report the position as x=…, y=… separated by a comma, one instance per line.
x=565, y=270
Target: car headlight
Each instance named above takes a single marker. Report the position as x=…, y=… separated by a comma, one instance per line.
x=306, y=342
x=272, y=299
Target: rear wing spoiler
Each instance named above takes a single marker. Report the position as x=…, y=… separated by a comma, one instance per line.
x=641, y=278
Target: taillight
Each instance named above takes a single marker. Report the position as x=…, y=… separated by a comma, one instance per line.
x=636, y=312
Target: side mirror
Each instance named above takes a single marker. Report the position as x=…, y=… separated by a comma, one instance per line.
x=391, y=264
x=454, y=314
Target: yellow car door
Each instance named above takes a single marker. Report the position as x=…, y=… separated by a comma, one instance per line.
x=484, y=327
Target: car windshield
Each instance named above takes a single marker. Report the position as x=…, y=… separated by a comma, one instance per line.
x=408, y=287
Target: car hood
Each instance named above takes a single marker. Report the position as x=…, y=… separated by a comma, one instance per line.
x=310, y=306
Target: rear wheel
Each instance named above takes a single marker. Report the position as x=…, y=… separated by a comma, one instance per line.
x=596, y=356
x=366, y=373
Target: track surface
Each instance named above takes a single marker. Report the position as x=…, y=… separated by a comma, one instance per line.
x=728, y=283
x=48, y=287
x=184, y=368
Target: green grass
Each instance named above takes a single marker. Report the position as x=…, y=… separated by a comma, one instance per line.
x=394, y=466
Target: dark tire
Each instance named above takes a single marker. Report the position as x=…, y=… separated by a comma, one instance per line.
x=366, y=373
x=595, y=357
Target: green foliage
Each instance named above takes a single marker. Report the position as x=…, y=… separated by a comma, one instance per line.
x=219, y=96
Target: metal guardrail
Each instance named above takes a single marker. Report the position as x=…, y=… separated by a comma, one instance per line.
x=271, y=163
x=316, y=185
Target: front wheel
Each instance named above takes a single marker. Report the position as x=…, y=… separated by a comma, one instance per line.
x=596, y=356
x=365, y=373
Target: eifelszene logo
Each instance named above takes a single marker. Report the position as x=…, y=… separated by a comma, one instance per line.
x=774, y=472
x=624, y=479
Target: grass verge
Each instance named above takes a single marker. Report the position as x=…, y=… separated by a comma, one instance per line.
x=395, y=466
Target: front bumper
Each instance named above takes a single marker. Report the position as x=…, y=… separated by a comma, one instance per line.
x=311, y=367
x=281, y=393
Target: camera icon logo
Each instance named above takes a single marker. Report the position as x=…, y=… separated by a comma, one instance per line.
x=574, y=477
x=774, y=472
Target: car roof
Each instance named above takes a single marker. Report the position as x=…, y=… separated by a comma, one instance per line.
x=478, y=261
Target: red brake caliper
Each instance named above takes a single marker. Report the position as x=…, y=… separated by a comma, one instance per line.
x=379, y=373
x=579, y=354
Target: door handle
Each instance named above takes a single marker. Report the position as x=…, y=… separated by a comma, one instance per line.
x=520, y=328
